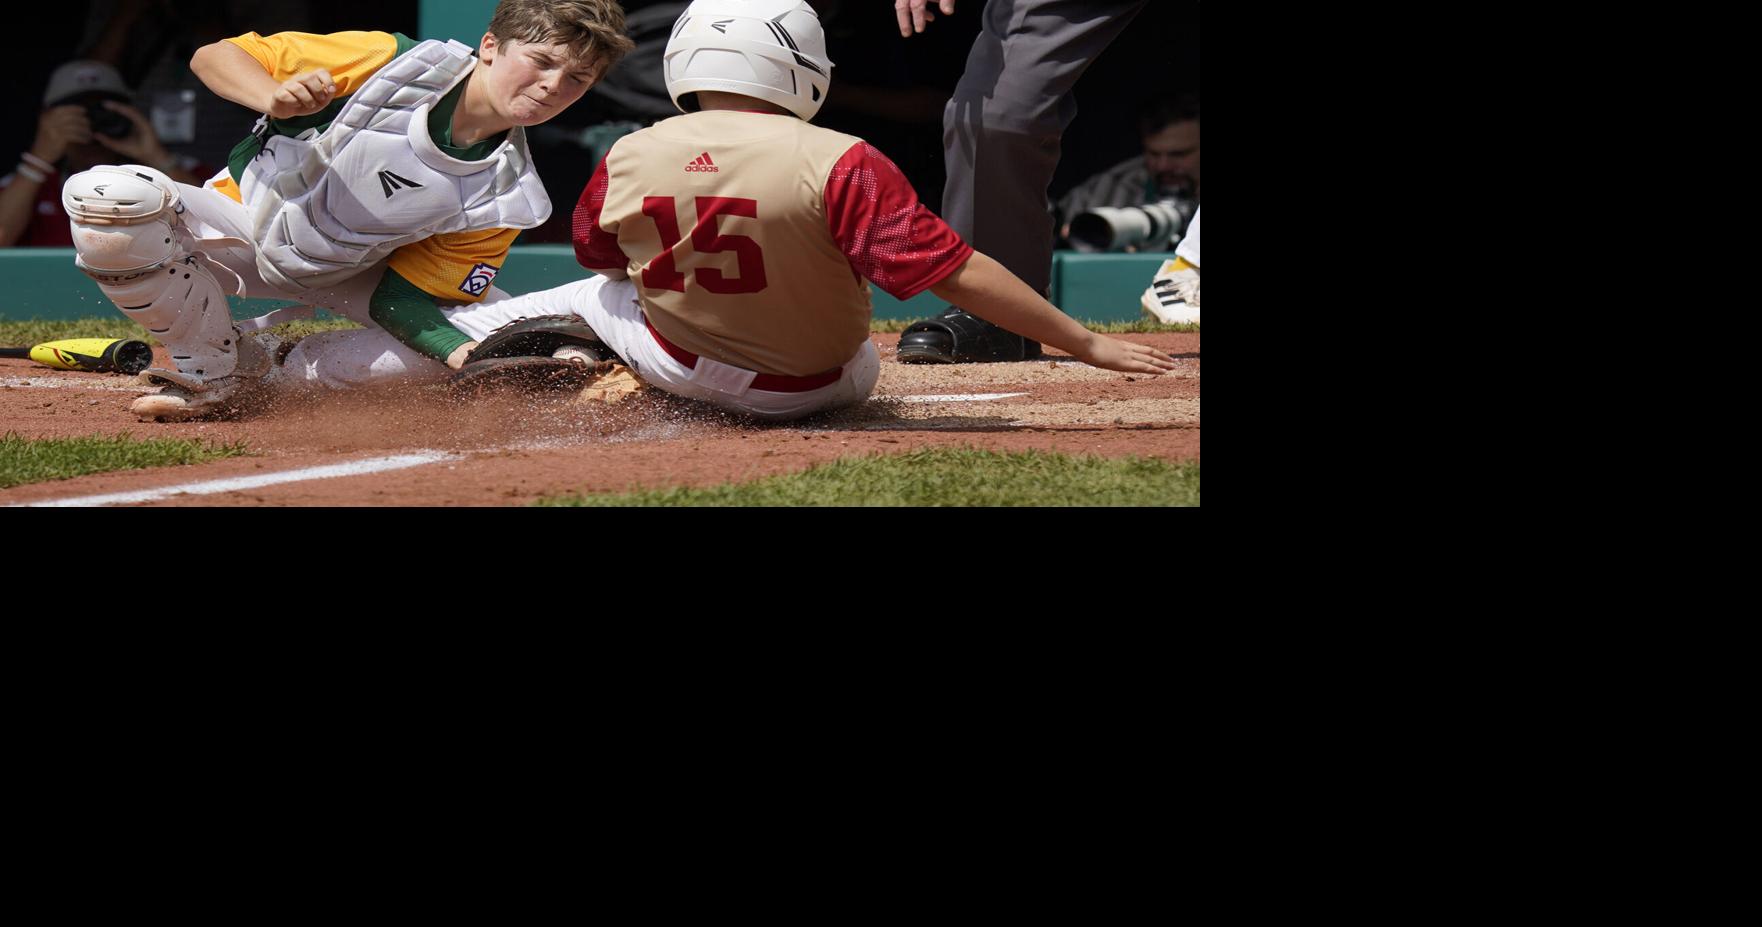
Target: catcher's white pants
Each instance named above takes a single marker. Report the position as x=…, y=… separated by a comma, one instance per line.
x=222, y=227
x=612, y=309
x=1189, y=247
x=214, y=218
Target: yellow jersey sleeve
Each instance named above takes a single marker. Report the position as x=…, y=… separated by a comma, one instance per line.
x=350, y=57
x=455, y=267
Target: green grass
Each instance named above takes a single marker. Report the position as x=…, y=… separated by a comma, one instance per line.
x=943, y=477
x=26, y=461
x=1139, y=327
x=294, y=331
x=34, y=332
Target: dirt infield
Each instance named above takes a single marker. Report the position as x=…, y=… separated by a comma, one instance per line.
x=509, y=451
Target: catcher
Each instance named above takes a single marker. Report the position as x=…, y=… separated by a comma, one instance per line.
x=733, y=242
x=385, y=182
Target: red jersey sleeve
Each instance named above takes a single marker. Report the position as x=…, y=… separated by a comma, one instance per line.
x=596, y=248
x=888, y=236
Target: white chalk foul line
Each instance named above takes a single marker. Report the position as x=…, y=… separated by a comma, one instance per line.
x=213, y=487
x=962, y=397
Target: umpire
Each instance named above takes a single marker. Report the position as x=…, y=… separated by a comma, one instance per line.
x=1001, y=133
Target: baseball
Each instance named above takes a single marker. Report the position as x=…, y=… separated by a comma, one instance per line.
x=576, y=353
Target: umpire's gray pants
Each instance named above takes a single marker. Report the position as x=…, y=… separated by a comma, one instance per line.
x=1000, y=132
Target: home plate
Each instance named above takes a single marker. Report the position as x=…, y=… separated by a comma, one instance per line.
x=962, y=397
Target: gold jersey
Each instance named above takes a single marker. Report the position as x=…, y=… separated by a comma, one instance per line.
x=751, y=236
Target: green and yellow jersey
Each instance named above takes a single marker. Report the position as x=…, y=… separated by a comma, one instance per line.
x=422, y=274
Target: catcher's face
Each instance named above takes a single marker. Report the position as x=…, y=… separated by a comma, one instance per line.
x=529, y=82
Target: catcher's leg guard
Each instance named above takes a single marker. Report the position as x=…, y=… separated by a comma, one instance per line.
x=130, y=239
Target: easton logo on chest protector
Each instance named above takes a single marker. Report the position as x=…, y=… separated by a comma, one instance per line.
x=391, y=183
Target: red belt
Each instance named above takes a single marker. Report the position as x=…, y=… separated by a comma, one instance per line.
x=769, y=382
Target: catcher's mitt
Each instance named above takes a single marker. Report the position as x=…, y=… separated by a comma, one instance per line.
x=519, y=356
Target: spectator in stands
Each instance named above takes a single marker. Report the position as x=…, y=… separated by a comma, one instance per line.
x=88, y=119
x=1167, y=170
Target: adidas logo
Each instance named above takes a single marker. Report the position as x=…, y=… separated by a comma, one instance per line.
x=703, y=165
x=1168, y=292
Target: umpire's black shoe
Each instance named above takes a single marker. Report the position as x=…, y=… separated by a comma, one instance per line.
x=955, y=337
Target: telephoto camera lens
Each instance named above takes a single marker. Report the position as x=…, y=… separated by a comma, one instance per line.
x=108, y=122
x=1116, y=228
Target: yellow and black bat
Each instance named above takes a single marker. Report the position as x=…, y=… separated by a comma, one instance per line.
x=94, y=355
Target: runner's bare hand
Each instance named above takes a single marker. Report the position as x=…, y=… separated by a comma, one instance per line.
x=1124, y=356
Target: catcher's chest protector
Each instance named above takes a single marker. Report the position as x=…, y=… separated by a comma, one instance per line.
x=322, y=208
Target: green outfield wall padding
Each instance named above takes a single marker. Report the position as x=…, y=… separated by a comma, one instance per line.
x=45, y=285
x=1103, y=287
x=454, y=19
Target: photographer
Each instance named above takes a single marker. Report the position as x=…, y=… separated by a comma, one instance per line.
x=1165, y=179
x=86, y=120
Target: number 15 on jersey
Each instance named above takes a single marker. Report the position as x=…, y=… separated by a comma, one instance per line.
x=706, y=238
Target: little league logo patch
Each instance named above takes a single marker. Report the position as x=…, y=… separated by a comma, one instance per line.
x=479, y=280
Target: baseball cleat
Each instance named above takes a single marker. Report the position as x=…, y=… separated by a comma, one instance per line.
x=184, y=397
x=957, y=337
x=173, y=403
x=1173, y=295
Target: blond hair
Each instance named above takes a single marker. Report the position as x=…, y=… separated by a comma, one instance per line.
x=593, y=30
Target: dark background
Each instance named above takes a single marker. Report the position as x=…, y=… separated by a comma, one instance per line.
x=885, y=89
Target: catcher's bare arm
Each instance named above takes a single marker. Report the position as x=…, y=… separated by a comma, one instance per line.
x=456, y=360
x=233, y=74
x=986, y=289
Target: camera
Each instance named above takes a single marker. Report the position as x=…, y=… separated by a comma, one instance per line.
x=1115, y=228
x=108, y=122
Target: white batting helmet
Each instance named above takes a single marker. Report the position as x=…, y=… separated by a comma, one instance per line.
x=770, y=49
